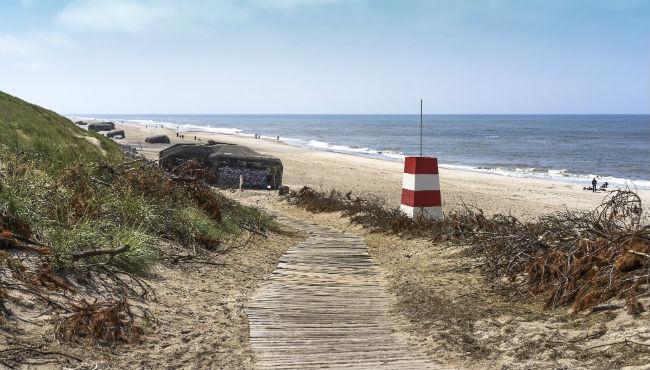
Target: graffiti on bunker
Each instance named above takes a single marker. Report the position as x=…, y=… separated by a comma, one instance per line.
x=253, y=178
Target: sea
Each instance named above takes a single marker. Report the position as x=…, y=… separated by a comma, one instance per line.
x=568, y=148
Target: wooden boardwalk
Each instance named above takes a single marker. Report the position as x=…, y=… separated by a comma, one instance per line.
x=324, y=307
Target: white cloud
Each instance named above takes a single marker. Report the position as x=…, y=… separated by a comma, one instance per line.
x=136, y=16
x=13, y=46
x=298, y=3
x=31, y=44
x=29, y=52
x=112, y=15
x=133, y=16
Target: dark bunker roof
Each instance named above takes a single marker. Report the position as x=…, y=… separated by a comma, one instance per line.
x=218, y=151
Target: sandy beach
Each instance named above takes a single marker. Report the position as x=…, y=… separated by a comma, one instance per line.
x=522, y=197
x=440, y=303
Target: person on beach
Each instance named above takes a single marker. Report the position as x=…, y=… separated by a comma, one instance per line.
x=593, y=184
x=241, y=182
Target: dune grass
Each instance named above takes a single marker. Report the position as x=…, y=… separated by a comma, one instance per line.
x=77, y=193
x=28, y=127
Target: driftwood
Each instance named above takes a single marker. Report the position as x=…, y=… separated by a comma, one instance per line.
x=100, y=252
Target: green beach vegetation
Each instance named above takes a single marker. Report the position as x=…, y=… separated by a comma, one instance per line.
x=75, y=192
x=26, y=127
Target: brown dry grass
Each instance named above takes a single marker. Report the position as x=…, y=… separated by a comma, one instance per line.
x=577, y=259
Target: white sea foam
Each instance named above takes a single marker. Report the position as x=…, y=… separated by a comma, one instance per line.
x=393, y=155
x=341, y=148
x=185, y=127
x=214, y=130
x=170, y=125
x=560, y=175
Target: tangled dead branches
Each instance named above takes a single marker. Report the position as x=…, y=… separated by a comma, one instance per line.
x=588, y=258
x=26, y=272
x=101, y=322
x=621, y=209
x=577, y=259
x=193, y=178
x=16, y=234
x=24, y=353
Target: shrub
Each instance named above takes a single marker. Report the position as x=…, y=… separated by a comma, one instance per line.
x=577, y=259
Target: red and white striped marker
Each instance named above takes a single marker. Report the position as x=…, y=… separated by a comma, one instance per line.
x=421, y=188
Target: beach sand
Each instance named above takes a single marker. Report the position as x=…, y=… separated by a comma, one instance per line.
x=441, y=303
x=522, y=197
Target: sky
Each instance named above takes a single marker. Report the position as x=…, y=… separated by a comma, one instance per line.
x=328, y=56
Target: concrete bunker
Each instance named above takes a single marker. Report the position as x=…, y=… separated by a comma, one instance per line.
x=101, y=126
x=116, y=134
x=229, y=162
x=157, y=139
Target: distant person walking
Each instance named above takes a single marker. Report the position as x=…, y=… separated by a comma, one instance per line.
x=594, y=183
x=241, y=182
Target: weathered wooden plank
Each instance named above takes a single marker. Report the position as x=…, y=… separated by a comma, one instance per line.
x=324, y=306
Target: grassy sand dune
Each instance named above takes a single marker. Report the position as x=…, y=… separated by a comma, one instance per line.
x=28, y=127
x=90, y=235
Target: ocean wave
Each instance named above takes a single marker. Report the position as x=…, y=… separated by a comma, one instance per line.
x=179, y=127
x=214, y=130
x=361, y=150
x=342, y=148
x=560, y=175
x=186, y=127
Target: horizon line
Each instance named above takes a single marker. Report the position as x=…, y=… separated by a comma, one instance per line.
x=366, y=114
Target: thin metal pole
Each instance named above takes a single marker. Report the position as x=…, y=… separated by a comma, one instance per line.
x=420, y=127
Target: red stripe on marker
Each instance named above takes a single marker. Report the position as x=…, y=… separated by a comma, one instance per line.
x=423, y=198
x=421, y=165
